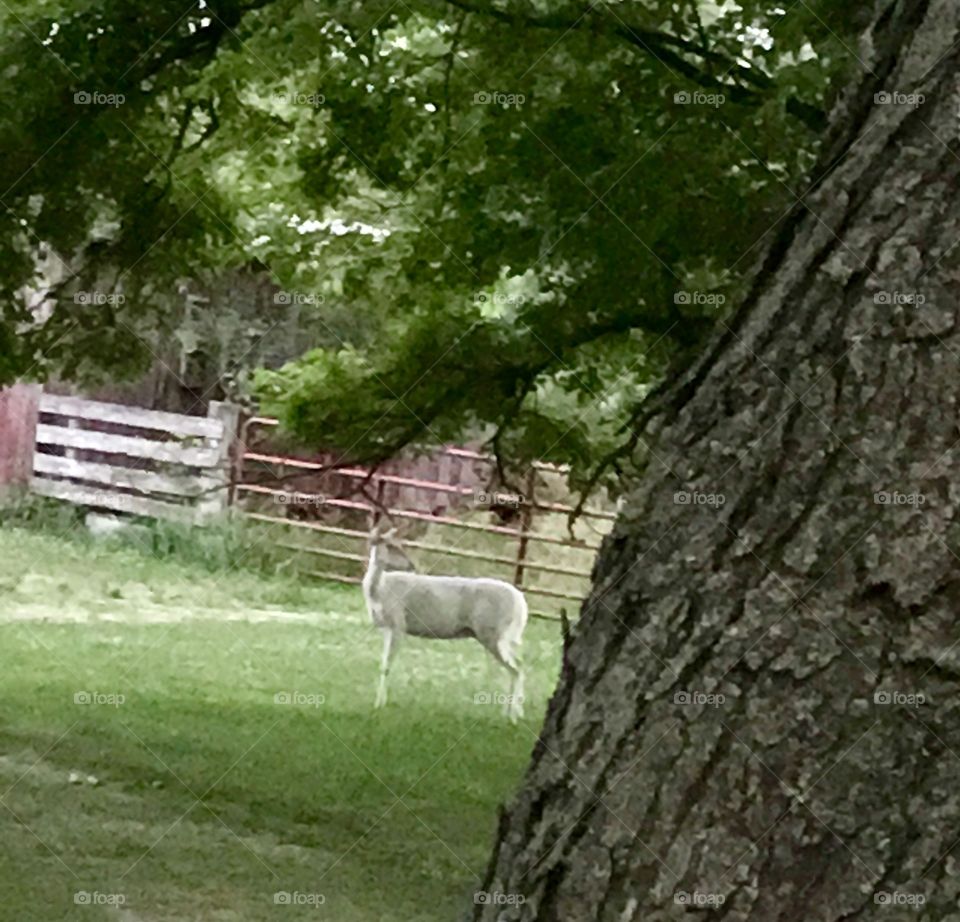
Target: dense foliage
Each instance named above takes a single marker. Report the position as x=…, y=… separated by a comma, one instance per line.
x=507, y=218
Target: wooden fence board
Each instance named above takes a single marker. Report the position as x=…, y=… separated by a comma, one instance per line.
x=107, y=442
x=136, y=417
x=109, y=499
x=184, y=485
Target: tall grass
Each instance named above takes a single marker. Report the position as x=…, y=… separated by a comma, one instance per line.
x=229, y=543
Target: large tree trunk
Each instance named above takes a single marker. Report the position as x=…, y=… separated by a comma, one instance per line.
x=812, y=787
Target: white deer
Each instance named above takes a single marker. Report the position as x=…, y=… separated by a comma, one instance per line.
x=445, y=608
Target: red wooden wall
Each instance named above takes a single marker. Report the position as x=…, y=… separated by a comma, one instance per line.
x=18, y=429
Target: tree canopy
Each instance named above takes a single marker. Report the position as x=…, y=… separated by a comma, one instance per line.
x=533, y=208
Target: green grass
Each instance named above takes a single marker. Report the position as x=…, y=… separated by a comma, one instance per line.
x=210, y=797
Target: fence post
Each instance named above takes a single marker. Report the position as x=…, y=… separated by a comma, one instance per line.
x=216, y=502
x=237, y=466
x=19, y=412
x=375, y=512
x=526, y=522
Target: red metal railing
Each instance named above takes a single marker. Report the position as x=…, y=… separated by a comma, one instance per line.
x=540, y=542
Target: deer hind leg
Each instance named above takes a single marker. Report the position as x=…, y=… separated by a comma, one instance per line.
x=504, y=649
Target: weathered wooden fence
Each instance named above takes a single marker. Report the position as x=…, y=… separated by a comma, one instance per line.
x=454, y=524
x=127, y=459
x=189, y=468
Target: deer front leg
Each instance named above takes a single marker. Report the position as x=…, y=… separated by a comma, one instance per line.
x=389, y=648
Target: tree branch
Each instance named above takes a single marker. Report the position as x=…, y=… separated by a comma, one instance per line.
x=668, y=49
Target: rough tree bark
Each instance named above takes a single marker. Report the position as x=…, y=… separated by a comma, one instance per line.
x=821, y=780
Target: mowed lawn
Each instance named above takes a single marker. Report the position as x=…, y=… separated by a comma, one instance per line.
x=185, y=790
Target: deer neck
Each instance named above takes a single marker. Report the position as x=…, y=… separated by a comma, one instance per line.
x=375, y=568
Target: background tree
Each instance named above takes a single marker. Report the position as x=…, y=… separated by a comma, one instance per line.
x=526, y=203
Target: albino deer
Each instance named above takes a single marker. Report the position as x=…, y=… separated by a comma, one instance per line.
x=445, y=608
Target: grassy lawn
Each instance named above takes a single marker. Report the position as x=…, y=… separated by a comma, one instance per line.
x=196, y=795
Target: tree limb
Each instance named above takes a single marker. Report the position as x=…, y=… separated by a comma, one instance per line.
x=668, y=49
